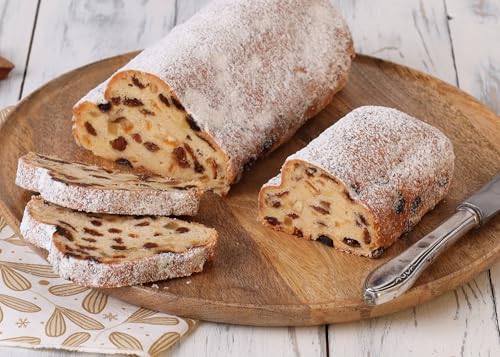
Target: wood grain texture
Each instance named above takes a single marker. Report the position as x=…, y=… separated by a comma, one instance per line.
x=256, y=279
x=74, y=33
x=15, y=36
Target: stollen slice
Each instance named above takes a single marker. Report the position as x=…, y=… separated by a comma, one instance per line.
x=95, y=189
x=108, y=251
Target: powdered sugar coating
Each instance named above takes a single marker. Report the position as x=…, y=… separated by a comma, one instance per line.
x=122, y=193
x=251, y=72
x=89, y=273
x=382, y=155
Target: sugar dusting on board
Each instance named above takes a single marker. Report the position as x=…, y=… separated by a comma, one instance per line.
x=251, y=72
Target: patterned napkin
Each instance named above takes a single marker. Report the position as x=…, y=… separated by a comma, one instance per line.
x=40, y=310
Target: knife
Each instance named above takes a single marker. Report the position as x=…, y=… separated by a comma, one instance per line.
x=399, y=274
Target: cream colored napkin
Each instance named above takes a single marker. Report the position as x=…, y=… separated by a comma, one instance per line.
x=40, y=310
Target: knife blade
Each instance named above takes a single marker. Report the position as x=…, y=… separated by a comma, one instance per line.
x=396, y=276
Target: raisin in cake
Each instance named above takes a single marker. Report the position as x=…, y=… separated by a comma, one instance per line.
x=100, y=250
x=227, y=86
x=94, y=189
x=362, y=183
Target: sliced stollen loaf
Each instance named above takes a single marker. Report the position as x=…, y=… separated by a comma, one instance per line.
x=362, y=183
x=227, y=86
x=90, y=188
x=100, y=250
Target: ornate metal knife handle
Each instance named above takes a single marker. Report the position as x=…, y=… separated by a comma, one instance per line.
x=397, y=275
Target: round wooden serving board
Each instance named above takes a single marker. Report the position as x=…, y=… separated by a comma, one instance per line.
x=259, y=276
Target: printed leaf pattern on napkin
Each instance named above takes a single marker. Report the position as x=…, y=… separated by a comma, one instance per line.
x=38, y=309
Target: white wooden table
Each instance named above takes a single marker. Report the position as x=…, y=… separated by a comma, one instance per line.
x=455, y=40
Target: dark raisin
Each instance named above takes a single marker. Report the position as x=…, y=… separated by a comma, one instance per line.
x=124, y=162
x=310, y=171
x=180, y=156
x=366, y=237
x=276, y=204
x=86, y=247
x=119, y=143
x=351, y=242
x=177, y=104
x=132, y=102
x=137, y=82
x=118, y=240
x=192, y=124
x=164, y=100
x=90, y=129
x=147, y=112
x=65, y=233
x=114, y=230
x=293, y=215
x=198, y=168
x=96, y=223
x=326, y=240
x=119, y=256
x=116, y=100
x=133, y=235
x=137, y=138
x=150, y=245
x=415, y=204
x=399, y=204
x=320, y=209
x=151, y=146
x=377, y=253
x=182, y=230
x=273, y=221
x=297, y=232
x=268, y=145
x=92, y=232
x=104, y=107
x=118, y=247
x=90, y=240
x=356, y=187
x=73, y=255
x=142, y=224
x=248, y=165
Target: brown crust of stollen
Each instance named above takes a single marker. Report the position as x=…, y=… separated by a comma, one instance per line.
x=94, y=274
x=313, y=77
x=411, y=172
x=90, y=198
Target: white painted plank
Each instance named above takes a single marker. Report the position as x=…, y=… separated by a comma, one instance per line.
x=211, y=339
x=475, y=34
x=411, y=32
x=462, y=322
x=72, y=33
x=456, y=324
x=15, y=36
